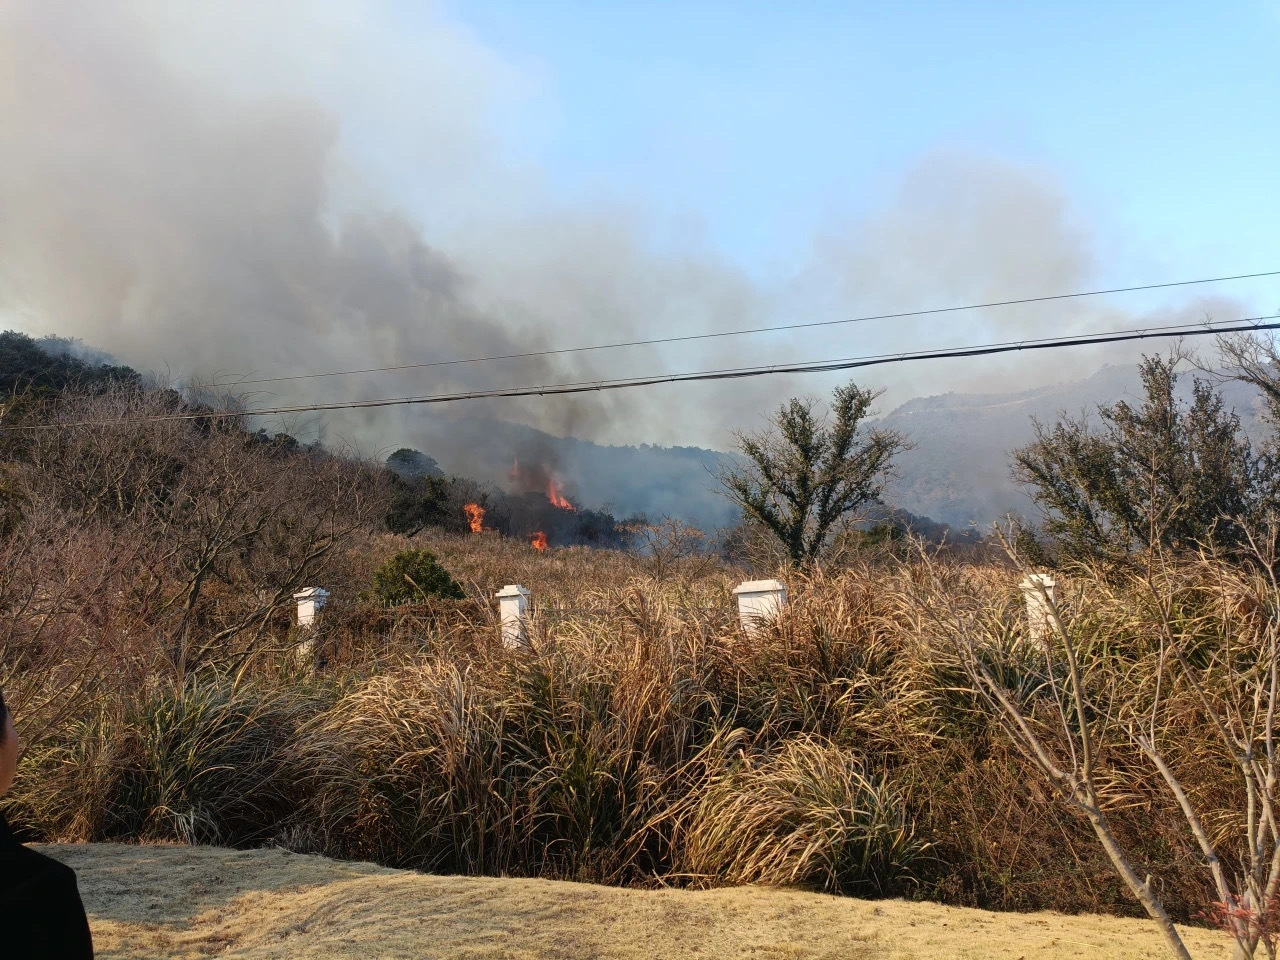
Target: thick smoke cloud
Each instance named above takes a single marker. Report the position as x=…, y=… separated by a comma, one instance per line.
x=248, y=190
x=173, y=192
x=179, y=225
x=964, y=227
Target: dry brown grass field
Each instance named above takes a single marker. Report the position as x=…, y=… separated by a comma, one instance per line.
x=646, y=742
x=643, y=742
x=187, y=903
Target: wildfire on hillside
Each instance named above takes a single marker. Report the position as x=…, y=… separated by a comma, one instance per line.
x=535, y=507
x=557, y=498
x=536, y=499
x=527, y=478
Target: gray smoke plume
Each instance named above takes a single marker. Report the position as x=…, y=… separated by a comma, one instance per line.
x=963, y=228
x=243, y=191
x=177, y=225
x=174, y=192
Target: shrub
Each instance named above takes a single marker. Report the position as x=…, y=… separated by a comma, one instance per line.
x=809, y=815
x=414, y=575
x=204, y=760
x=411, y=769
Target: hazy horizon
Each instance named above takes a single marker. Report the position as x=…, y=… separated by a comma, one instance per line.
x=250, y=191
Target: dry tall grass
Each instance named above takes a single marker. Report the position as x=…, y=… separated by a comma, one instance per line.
x=652, y=743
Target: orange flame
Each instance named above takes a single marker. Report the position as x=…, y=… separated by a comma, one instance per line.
x=557, y=499
x=539, y=541
x=475, y=516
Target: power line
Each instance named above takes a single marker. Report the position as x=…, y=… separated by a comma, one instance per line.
x=1248, y=324
x=933, y=311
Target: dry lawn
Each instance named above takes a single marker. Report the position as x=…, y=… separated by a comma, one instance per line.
x=195, y=902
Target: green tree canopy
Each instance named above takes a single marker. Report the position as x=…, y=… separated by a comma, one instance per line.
x=411, y=463
x=807, y=470
x=415, y=503
x=27, y=365
x=1164, y=472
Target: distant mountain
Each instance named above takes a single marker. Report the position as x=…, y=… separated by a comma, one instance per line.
x=959, y=470
x=957, y=473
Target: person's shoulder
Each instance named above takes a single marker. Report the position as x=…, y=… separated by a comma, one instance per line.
x=41, y=914
x=29, y=869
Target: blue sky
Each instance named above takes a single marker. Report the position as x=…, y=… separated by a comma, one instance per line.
x=760, y=123
x=396, y=181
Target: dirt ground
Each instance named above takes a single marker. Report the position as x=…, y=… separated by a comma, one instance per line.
x=195, y=902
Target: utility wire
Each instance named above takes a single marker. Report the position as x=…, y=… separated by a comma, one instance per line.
x=754, y=330
x=1248, y=324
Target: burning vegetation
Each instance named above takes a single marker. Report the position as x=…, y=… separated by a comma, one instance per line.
x=556, y=499
x=534, y=507
x=539, y=510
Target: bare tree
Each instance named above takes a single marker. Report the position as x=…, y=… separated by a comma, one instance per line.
x=807, y=471
x=234, y=523
x=1255, y=359
x=256, y=523
x=1237, y=687
x=1066, y=751
x=1075, y=709
x=69, y=623
x=670, y=546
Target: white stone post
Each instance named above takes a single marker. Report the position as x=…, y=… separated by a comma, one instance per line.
x=311, y=601
x=513, y=615
x=1038, y=626
x=758, y=602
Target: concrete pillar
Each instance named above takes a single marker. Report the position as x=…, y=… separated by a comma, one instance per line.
x=759, y=601
x=311, y=601
x=513, y=615
x=1037, y=601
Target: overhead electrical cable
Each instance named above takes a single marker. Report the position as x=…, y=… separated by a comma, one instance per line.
x=685, y=338
x=1248, y=324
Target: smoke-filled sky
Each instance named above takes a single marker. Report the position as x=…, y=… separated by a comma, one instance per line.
x=249, y=190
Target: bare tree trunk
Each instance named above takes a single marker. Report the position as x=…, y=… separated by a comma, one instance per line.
x=1139, y=888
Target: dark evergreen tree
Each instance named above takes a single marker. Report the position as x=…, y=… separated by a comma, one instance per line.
x=1164, y=472
x=409, y=463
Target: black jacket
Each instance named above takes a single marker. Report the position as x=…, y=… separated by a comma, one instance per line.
x=41, y=916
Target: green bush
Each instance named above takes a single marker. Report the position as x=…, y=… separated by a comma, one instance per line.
x=414, y=575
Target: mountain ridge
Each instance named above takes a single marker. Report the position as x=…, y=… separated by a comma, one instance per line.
x=957, y=472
